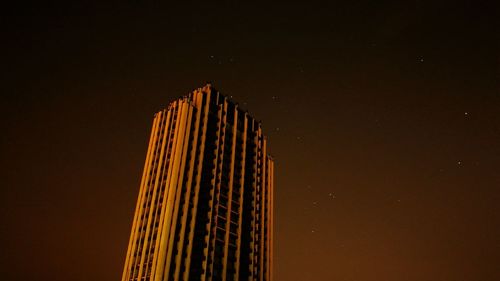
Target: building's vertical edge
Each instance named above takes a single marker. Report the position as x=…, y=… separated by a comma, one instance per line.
x=268, y=221
x=230, y=193
x=169, y=129
x=203, y=103
x=177, y=185
x=242, y=194
x=182, y=193
x=246, y=248
x=142, y=208
x=255, y=214
x=216, y=198
x=263, y=212
x=156, y=172
x=207, y=266
x=271, y=218
x=253, y=203
x=257, y=209
x=168, y=201
x=151, y=205
x=145, y=206
x=145, y=174
x=193, y=144
x=162, y=229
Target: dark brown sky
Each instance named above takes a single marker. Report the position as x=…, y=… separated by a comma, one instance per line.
x=384, y=120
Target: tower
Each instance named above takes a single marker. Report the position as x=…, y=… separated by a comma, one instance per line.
x=205, y=206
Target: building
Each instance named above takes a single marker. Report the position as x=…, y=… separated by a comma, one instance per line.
x=205, y=206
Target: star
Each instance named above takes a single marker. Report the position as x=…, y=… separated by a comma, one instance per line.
x=421, y=59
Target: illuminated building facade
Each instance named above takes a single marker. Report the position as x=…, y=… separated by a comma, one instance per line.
x=205, y=206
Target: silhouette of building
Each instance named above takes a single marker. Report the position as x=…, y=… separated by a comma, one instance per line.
x=205, y=206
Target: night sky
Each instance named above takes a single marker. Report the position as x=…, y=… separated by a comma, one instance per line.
x=383, y=119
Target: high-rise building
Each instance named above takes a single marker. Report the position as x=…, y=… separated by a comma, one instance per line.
x=205, y=206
